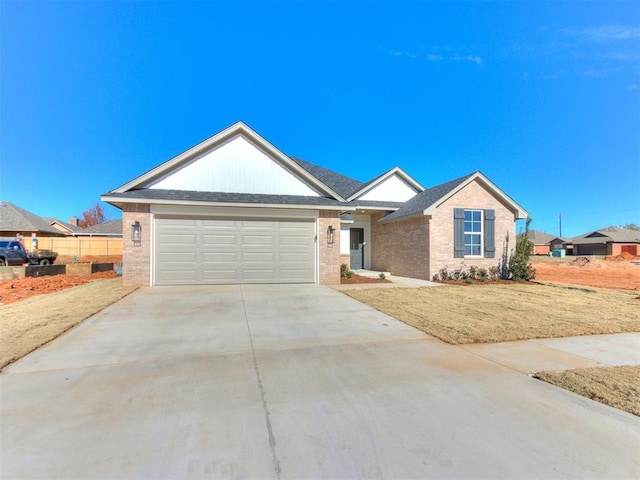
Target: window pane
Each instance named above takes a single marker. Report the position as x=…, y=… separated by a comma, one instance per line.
x=475, y=250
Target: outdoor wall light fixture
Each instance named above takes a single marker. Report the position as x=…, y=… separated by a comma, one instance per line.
x=136, y=232
x=330, y=237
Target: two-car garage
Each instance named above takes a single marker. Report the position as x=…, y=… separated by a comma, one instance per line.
x=208, y=250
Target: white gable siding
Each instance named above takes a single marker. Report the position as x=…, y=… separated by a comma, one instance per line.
x=235, y=167
x=392, y=189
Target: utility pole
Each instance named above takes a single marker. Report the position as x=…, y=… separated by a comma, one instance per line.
x=560, y=224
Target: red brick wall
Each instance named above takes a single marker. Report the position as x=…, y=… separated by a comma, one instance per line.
x=329, y=255
x=541, y=249
x=136, y=257
x=401, y=248
x=618, y=248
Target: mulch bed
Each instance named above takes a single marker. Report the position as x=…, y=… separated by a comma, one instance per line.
x=360, y=279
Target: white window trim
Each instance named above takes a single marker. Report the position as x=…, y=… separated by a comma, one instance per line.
x=481, y=233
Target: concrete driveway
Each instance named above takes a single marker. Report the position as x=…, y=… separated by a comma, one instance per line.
x=288, y=382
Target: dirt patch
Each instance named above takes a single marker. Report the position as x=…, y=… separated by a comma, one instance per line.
x=22, y=288
x=618, y=387
x=30, y=323
x=356, y=279
x=614, y=272
x=488, y=313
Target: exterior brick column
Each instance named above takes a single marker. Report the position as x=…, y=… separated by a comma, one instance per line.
x=136, y=257
x=329, y=255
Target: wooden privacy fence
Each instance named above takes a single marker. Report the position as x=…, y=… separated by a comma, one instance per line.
x=80, y=245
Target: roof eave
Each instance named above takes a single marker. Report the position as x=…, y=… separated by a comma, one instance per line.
x=519, y=212
x=119, y=201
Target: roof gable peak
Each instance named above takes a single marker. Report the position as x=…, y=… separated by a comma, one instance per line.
x=238, y=130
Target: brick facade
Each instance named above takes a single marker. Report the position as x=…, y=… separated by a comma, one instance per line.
x=472, y=196
x=136, y=257
x=419, y=247
x=401, y=248
x=329, y=255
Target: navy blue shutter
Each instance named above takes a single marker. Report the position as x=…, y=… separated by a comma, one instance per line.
x=489, y=233
x=458, y=232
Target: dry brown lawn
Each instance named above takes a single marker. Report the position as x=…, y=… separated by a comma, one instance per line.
x=617, y=387
x=491, y=313
x=29, y=324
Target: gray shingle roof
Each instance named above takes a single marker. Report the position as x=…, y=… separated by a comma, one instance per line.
x=541, y=238
x=425, y=199
x=376, y=203
x=343, y=186
x=608, y=234
x=110, y=227
x=19, y=220
x=223, y=197
x=68, y=226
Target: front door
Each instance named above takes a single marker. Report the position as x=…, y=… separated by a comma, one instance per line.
x=356, y=241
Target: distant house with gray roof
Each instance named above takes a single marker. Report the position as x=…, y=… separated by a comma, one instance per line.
x=607, y=241
x=543, y=243
x=15, y=221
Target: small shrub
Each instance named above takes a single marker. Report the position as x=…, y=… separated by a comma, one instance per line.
x=494, y=273
x=343, y=268
x=519, y=266
x=482, y=275
x=348, y=274
x=444, y=274
x=382, y=276
x=473, y=271
x=457, y=274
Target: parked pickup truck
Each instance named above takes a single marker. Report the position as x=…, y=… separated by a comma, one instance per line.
x=13, y=253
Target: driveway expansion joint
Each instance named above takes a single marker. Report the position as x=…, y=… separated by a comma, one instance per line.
x=265, y=406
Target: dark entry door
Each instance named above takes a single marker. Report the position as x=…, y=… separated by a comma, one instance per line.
x=356, y=241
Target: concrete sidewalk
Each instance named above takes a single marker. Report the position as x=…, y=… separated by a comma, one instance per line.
x=531, y=356
x=395, y=281
x=288, y=381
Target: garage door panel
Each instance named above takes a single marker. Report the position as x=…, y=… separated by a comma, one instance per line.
x=256, y=239
x=257, y=275
x=219, y=276
x=178, y=239
x=178, y=258
x=249, y=258
x=178, y=277
x=214, y=251
x=217, y=240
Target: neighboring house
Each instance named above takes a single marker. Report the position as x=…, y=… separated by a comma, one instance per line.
x=607, y=241
x=68, y=228
x=235, y=209
x=15, y=220
x=543, y=243
x=110, y=228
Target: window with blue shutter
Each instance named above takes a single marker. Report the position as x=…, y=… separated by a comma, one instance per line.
x=474, y=233
x=458, y=232
x=489, y=233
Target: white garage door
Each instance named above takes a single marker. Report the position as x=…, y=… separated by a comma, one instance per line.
x=191, y=251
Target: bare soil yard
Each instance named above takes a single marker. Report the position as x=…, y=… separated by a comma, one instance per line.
x=618, y=387
x=614, y=272
x=488, y=313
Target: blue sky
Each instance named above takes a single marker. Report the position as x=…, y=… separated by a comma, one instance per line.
x=542, y=97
